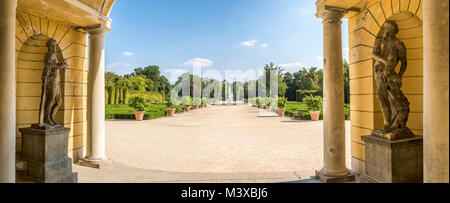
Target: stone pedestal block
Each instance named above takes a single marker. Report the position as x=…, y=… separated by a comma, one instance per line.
x=393, y=161
x=46, y=155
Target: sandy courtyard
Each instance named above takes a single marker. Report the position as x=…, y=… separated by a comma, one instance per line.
x=213, y=144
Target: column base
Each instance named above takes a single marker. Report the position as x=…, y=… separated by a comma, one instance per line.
x=95, y=163
x=349, y=178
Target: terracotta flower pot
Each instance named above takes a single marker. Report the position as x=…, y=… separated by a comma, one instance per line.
x=171, y=112
x=261, y=106
x=254, y=105
x=196, y=107
x=281, y=112
x=268, y=108
x=139, y=115
x=203, y=105
x=315, y=115
x=187, y=108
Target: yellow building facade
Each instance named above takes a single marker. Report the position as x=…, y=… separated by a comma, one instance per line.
x=79, y=28
x=365, y=19
x=364, y=27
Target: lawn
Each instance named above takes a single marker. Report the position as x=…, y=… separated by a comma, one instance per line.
x=293, y=108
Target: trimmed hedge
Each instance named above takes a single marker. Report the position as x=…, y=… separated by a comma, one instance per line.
x=131, y=116
x=126, y=112
x=292, y=108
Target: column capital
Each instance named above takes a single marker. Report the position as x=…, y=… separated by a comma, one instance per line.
x=97, y=30
x=331, y=13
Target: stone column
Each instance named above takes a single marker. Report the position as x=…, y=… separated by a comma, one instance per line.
x=96, y=96
x=334, y=169
x=7, y=91
x=436, y=96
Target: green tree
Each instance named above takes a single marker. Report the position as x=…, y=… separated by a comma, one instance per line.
x=138, y=83
x=347, y=82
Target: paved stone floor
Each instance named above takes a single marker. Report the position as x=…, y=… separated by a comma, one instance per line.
x=229, y=144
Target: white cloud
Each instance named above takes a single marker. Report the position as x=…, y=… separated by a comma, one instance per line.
x=117, y=65
x=264, y=45
x=127, y=53
x=292, y=67
x=319, y=58
x=250, y=43
x=198, y=62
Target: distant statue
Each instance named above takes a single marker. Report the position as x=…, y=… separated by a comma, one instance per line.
x=388, y=52
x=51, y=98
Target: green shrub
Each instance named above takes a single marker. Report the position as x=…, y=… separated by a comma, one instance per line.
x=187, y=101
x=266, y=101
x=314, y=103
x=139, y=102
x=197, y=101
x=282, y=102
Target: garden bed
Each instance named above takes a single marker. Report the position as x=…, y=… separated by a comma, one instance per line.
x=126, y=112
x=293, y=108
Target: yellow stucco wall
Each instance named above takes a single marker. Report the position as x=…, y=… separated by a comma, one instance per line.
x=363, y=28
x=32, y=32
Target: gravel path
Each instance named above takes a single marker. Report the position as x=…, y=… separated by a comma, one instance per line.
x=216, y=144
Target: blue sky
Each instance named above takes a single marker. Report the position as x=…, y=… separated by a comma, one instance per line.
x=220, y=34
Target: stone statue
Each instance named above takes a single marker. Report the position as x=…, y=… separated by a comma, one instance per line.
x=51, y=98
x=388, y=52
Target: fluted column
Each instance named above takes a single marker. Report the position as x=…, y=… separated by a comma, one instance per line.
x=96, y=152
x=436, y=91
x=334, y=115
x=7, y=91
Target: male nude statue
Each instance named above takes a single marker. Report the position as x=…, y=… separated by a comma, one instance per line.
x=388, y=52
x=51, y=98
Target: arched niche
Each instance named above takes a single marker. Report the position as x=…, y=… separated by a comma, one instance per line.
x=29, y=69
x=411, y=34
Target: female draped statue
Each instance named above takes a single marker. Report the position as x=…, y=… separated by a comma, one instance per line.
x=388, y=52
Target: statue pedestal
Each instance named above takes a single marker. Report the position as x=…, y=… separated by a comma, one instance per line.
x=46, y=155
x=393, y=161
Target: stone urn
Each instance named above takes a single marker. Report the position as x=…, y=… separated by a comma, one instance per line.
x=139, y=115
x=171, y=112
x=187, y=108
x=281, y=112
x=315, y=115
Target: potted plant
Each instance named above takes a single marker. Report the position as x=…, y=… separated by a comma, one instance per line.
x=252, y=101
x=281, y=106
x=141, y=105
x=204, y=102
x=260, y=102
x=314, y=104
x=197, y=102
x=265, y=103
x=187, y=101
x=171, y=109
